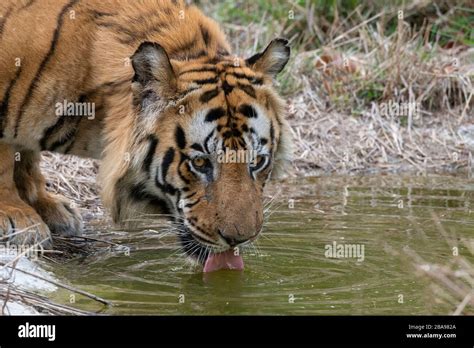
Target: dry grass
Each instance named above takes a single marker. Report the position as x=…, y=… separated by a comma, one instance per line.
x=343, y=120
x=39, y=303
x=344, y=71
x=72, y=177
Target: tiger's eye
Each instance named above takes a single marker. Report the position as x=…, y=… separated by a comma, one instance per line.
x=199, y=162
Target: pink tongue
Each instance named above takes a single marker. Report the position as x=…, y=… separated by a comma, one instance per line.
x=225, y=260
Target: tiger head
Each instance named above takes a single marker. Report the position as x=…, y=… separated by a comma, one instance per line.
x=210, y=132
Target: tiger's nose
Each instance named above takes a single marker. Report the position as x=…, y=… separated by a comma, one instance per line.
x=233, y=240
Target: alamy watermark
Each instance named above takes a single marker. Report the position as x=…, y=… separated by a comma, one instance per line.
x=391, y=108
x=32, y=252
x=345, y=251
x=237, y=156
x=28, y=330
x=68, y=108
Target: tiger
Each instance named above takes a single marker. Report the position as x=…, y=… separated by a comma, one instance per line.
x=167, y=96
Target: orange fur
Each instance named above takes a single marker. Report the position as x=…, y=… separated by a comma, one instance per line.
x=150, y=68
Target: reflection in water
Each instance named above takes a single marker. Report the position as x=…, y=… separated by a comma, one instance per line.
x=289, y=270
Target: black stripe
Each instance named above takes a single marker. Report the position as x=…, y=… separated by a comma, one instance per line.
x=253, y=79
x=212, y=80
x=203, y=69
x=51, y=130
x=272, y=133
x=165, y=165
x=138, y=193
x=207, y=140
x=200, y=230
x=213, y=60
x=181, y=175
x=248, y=111
x=43, y=64
x=204, y=34
x=234, y=132
x=197, y=147
x=180, y=137
x=12, y=224
x=185, y=93
x=153, y=143
x=6, y=101
x=209, y=95
x=99, y=14
x=227, y=88
x=167, y=188
x=70, y=135
x=215, y=114
x=190, y=195
x=60, y=123
x=190, y=205
x=249, y=90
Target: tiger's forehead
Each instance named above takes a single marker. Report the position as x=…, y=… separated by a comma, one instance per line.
x=226, y=75
x=234, y=131
x=226, y=98
x=215, y=67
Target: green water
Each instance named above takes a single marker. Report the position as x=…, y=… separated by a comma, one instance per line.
x=287, y=272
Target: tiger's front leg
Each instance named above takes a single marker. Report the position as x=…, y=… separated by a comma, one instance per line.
x=19, y=222
x=55, y=210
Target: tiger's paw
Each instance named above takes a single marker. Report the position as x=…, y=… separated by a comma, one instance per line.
x=21, y=225
x=60, y=216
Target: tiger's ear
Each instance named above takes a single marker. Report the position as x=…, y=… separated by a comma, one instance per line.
x=153, y=70
x=273, y=59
